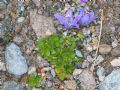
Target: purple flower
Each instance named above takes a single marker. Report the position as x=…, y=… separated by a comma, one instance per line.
x=68, y=21
x=77, y=18
x=83, y=1
x=62, y=20
x=87, y=18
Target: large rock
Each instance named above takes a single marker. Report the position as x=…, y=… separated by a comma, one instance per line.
x=15, y=61
x=43, y=26
x=111, y=82
x=87, y=80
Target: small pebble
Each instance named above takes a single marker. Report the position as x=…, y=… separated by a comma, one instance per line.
x=116, y=51
x=49, y=83
x=114, y=43
x=18, y=39
x=89, y=48
x=1, y=16
x=85, y=64
x=104, y=49
x=78, y=53
x=53, y=72
x=77, y=72
x=70, y=84
x=115, y=62
x=101, y=73
x=21, y=19
x=47, y=68
x=31, y=70
x=2, y=66
x=99, y=60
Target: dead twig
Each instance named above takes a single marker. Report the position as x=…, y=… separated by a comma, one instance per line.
x=99, y=38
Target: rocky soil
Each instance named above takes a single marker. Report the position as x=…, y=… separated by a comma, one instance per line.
x=22, y=22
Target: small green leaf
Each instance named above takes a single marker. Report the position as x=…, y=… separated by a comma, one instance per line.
x=81, y=36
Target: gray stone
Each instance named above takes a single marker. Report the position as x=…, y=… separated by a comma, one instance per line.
x=116, y=51
x=53, y=72
x=49, y=84
x=3, y=31
x=85, y=64
x=2, y=5
x=41, y=62
x=18, y=39
x=15, y=62
x=99, y=60
x=37, y=2
x=111, y=82
x=87, y=80
x=79, y=53
x=101, y=73
x=12, y=85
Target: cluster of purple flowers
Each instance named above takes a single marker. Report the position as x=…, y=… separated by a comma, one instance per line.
x=82, y=19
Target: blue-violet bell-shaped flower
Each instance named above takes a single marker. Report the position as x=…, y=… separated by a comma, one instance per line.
x=82, y=19
x=87, y=18
x=68, y=21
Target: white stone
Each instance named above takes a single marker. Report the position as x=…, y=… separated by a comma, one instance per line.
x=20, y=19
x=2, y=66
x=114, y=43
x=77, y=72
x=115, y=62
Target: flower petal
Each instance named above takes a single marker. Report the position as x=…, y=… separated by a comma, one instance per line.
x=91, y=16
x=82, y=11
x=75, y=21
x=78, y=17
x=69, y=14
x=61, y=19
x=83, y=1
x=85, y=19
x=69, y=17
